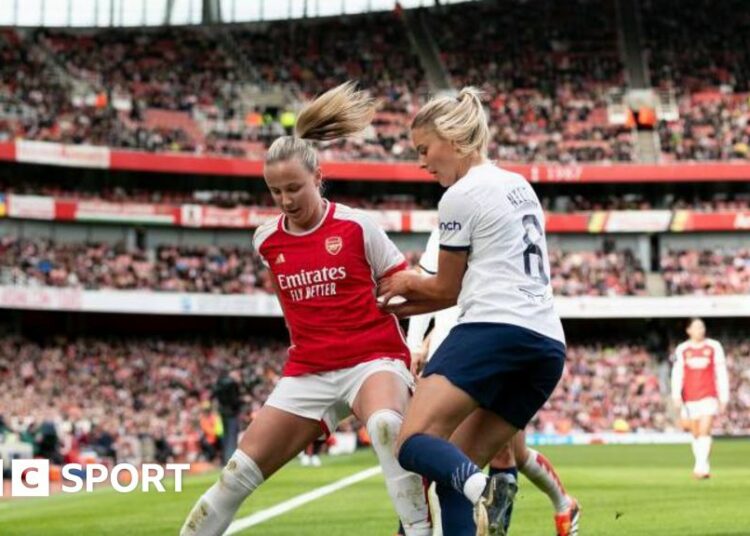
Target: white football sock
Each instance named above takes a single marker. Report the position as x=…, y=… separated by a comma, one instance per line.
x=474, y=486
x=542, y=474
x=214, y=511
x=696, y=455
x=406, y=489
x=704, y=451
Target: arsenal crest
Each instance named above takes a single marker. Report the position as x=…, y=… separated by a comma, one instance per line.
x=334, y=244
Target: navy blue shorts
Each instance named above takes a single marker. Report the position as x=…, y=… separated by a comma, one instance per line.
x=507, y=369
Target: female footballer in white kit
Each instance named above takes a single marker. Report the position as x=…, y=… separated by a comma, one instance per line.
x=531, y=463
x=346, y=354
x=500, y=364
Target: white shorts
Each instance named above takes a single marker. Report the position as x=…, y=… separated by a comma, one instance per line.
x=705, y=407
x=328, y=396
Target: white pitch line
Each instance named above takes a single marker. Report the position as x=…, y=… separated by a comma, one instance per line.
x=299, y=500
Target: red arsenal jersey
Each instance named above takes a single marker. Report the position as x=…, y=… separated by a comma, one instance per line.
x=700, y=371
x=325, y=280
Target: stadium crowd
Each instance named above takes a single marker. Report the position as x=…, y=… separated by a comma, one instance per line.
x=124, y=398
x=708, y=271
x=625, y=388
x=149, y=399
x=95, y=266
x=235, y=270
x=596, y=273
x=545, y=72
x=556, y=111
x=707, y=68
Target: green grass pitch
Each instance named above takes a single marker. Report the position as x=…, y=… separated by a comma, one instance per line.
x=624, y=490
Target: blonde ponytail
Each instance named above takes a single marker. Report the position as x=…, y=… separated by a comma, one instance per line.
x=461, y=120
x=337, y=113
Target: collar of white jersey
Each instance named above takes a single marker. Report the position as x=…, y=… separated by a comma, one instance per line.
x=282, y=222
x=473, y=170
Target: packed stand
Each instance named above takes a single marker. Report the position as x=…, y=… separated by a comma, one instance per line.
x=311, y=56
x=127, y=399
x=143, y=400
x=706, y=272
x=625, y=388
x=546, y=72
x=597, y=273
x=712, y=127
x=95, y=266
x=707, y=67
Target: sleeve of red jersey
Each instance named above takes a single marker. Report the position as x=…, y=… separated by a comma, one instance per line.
x=677, y=374
x=261, y=234
x=720, y=372
x=382, y=254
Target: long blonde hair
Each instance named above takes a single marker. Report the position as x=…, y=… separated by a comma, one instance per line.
x=337, y=113
x=461, y=120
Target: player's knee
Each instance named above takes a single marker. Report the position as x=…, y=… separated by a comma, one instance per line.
x=241, y=475
x=384, y=426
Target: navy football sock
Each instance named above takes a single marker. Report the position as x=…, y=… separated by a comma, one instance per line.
x=438, y=460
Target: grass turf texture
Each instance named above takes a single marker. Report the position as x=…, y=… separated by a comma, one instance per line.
x=624, y=490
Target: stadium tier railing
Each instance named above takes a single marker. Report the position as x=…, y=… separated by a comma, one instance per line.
x=190, y=215
x=262, y=304
x=89, y=156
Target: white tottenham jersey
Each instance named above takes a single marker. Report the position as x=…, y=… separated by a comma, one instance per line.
x=495, y=215
x=445, y=319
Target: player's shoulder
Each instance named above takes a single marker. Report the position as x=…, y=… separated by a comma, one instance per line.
x=266, y=230
x=713, y=343
x=355, y=215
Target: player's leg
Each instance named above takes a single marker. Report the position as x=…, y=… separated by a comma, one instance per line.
x=504, y=463
x=272, y=439
x=703, y=445
x=470, y=437
x=380, y=402
x=540, y=471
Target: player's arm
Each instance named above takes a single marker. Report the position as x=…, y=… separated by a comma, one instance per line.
x=722, y=376
x=678, y=373
x=457, y=216
x=427, y=293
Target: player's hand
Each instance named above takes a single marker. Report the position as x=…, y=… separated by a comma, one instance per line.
x=418, y=361
x=395, y=285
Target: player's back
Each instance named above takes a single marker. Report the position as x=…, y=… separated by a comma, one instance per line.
x=325, y=280
x=507, y=279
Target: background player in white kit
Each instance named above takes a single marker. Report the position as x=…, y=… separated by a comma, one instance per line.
x=700, y=389
x=502, y=361
x=346, y=354
x=538, y=469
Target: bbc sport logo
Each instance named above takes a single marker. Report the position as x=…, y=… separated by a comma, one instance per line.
x=30, y=478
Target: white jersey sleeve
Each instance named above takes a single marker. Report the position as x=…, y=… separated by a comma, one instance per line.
x=382, y=254
x=428, y=262
x=261, y=234
x=720, y=372
x=678, y=372
x=456, y=214
x=418, y=324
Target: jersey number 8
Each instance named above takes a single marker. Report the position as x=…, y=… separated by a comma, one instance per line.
x=533, y=234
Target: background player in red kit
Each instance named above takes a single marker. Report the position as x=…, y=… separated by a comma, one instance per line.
x=700, y=389
x=346, y=354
